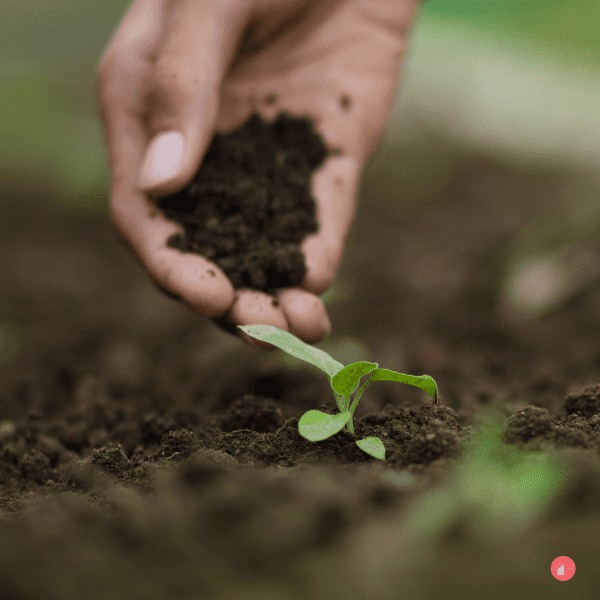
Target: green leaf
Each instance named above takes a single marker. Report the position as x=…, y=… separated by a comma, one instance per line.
x=292, y=345
x=315, y=425
x=345, y=381
x=373, y=446
x=425, y=382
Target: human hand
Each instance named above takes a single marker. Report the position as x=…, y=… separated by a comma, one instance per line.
x=195, y=67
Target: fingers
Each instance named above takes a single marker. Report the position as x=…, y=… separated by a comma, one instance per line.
x=300, y=311
x=199, y=283
x=296, y=310
x=256, y=308
x=335, y=188
x=124, y=70
x=159, y=90
x=183, y=94
x=305, y=314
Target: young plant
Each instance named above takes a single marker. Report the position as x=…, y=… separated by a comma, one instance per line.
x=315, y=425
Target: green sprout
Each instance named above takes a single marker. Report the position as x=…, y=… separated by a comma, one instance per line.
x=315, y=425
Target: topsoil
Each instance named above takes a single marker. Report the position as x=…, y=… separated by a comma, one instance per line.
x=146, y=454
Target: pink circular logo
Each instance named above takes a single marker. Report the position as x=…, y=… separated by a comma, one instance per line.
x=563, y=568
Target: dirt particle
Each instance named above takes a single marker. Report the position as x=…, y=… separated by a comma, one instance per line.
x=526, y=424
x=178, y=444
x=110, y=459
x=434, y=441
x=35, y=466
x=586, y=401
x=176, y=240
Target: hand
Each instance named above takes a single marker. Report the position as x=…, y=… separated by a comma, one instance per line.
x=176, y=71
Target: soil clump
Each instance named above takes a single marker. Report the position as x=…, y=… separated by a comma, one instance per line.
x=250, y=204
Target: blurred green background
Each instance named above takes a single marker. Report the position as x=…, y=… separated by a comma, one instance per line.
x=52, y=137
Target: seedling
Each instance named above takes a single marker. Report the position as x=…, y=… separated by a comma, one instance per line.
x=315, y=425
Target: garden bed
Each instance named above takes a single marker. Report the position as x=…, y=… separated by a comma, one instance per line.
x=145, y=453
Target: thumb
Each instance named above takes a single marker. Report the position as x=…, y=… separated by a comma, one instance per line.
x=183, y=89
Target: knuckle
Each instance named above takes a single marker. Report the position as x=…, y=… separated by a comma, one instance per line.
x=171, y=89
x=169, y=86
x=109, y=75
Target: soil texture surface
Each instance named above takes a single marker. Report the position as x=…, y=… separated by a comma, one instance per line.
x=250, y=204
x=145, y=453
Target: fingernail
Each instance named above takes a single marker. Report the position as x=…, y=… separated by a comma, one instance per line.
x=163, y=159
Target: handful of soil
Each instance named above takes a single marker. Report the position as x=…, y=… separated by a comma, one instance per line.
x=249, y=206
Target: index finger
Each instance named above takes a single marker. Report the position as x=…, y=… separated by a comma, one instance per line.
x=122, y=75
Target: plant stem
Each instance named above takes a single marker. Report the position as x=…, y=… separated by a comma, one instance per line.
x=361, y=391
x=341, y=401
x=358, y=395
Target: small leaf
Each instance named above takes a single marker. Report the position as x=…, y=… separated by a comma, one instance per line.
x=373, y=446
x=292, y=345
x=315, y=425
x=425, y=382
x=345, y=381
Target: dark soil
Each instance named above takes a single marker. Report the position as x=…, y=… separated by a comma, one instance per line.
x=250, y=204
x=146, y=454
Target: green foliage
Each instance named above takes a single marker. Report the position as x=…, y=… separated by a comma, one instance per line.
x=562, y=31
x=316, y=425
x=495, y=491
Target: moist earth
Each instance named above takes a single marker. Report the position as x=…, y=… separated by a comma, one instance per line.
x=249, y=206
x=146, y=454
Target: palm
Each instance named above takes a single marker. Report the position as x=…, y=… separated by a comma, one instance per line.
x=339, y=65
x=340, y=70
